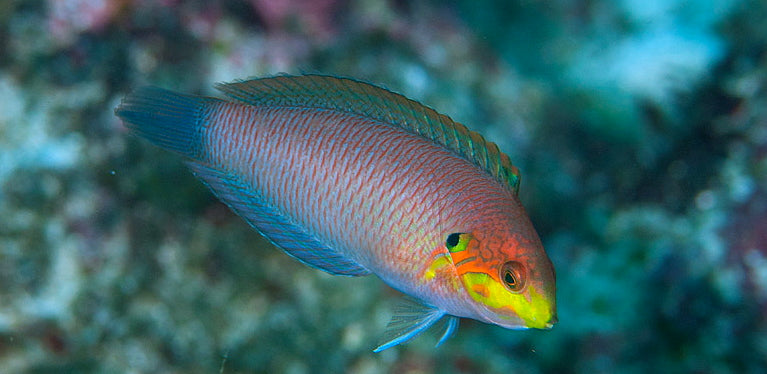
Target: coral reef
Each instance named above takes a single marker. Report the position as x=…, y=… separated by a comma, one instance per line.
x=640, y=128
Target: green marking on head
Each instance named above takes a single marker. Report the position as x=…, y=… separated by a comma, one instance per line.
x=457, y=242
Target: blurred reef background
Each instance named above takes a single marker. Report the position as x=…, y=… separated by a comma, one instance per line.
x=640, y=128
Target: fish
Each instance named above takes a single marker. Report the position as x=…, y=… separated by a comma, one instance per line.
x=354, y=179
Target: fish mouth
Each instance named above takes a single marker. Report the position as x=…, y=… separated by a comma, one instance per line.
x=515, y=322
x=543, y=325
x=505, y=321
x=553, y=321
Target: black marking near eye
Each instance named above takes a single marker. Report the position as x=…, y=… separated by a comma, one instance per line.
x=452, y=240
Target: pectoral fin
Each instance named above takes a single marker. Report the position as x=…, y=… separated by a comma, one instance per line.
x=412, y=318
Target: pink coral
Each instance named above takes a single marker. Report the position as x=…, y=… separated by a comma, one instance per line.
x=314, y=17
x=68, y=18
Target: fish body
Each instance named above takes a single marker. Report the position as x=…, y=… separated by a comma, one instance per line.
x=354, y=179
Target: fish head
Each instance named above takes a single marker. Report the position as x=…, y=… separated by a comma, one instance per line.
x=509, y=279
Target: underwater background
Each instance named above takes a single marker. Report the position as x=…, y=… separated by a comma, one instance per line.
x=639, y=127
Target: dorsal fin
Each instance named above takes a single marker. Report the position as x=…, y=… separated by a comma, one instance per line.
x=352, y=96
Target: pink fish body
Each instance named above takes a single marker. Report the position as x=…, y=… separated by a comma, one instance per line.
x=354, y=179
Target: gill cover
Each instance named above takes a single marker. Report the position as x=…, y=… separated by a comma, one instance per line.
x=501, y=287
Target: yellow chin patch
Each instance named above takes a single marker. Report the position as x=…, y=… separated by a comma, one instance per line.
x=436, y=266
x=531, y=306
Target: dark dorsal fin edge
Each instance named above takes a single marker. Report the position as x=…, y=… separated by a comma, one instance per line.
x=367, y=100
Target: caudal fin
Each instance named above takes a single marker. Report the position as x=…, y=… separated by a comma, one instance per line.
x=168, y=119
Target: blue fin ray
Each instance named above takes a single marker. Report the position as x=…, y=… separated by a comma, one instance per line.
x=289, y=236
x=450, y=327
x=410, y=319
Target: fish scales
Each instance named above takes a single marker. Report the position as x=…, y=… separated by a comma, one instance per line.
x=386, y=173
x=336, y=172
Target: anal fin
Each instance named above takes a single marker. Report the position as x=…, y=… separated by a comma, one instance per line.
x=270, y=222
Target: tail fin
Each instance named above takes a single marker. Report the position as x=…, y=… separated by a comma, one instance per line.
x=168, y=119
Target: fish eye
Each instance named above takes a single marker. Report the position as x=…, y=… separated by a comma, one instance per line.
x=513, y=274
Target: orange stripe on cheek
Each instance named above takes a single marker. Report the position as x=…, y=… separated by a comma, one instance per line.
x=480, y=290
x=471, y=267
x=460, y=256
x=475, y=265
